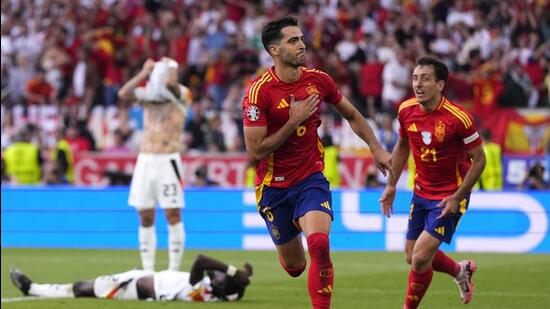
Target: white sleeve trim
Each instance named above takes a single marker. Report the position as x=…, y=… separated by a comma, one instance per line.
x=471, y=138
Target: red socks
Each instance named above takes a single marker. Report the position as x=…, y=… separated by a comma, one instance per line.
x=418, y=284
x=445, y=264
x=320, y=277
x=293, y=272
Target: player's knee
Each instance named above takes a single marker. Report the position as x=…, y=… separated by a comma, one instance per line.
x=420, y=261
x=147, y=217
x=173, y=216
x=173, y=219
x=147, y=221
x=294, y=269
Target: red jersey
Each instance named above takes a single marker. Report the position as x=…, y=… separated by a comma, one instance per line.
x=266, y=103
x=439, y=141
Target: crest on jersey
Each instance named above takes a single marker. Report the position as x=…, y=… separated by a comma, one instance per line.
x=439, y=131
x=312, y=89
x=426, y=137
x=253, y=113
x=275, y=232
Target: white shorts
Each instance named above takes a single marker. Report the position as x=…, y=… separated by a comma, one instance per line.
x=170, y=285
x=158, y=179
x=119, y=286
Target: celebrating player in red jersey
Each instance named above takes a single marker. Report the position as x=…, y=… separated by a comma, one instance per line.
x=449, y=160
x=281, y=118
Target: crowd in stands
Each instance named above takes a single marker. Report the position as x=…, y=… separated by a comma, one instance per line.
x=63, y=61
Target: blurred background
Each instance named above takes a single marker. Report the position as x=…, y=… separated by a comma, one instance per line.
x=63, y=61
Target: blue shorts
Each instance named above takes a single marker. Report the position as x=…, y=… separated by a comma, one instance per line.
x=423, y=214
x=281, y=207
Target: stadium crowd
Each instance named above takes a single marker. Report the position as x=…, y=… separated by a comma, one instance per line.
x=62, y=63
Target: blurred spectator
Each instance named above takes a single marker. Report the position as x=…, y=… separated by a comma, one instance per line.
x=23, y=160
x=38, y=91
x=116, y=178
x=371, y=84
x=79, y=138
x=396, y=76
x=371, y=178
x=78, y=52
x=332, y=161
x=387, y=133
x=115, y=74
x=213, y=136
x=196, y=128
x=85, y=78
x=534, y=179
x=518, y=88
x=491, y=177
x=62, y=160
x=18, y=78
x=119, y=145
x=202, y=179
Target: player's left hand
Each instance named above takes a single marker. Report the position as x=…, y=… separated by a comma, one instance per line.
x=450, y=204
x=382, y=159
x=386, y=201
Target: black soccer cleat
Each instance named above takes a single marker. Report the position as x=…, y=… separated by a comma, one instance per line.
x=20, y=280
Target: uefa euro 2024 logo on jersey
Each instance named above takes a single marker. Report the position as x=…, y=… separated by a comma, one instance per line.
x=253, y=113
x=426, y=137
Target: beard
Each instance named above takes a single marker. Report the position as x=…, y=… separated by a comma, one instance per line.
x=293, y=60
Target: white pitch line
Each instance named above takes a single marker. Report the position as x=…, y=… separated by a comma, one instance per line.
x=26, y=298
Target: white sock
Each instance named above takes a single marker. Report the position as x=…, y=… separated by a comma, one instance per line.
x=176, y=241
x=147, y=247
x=52, y=290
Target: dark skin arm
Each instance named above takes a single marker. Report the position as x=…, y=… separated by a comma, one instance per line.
x=203, y=263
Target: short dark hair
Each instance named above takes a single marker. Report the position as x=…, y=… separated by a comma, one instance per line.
x=229, y=289
x=271, y=32
x=440, y=68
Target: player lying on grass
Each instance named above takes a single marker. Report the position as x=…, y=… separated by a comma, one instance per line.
x=208, y=280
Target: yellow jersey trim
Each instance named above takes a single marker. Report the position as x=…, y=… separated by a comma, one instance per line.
x=255, y=89
x=458, y=114
x=407, y=103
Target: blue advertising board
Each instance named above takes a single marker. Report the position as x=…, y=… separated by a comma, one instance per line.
x=78, y=217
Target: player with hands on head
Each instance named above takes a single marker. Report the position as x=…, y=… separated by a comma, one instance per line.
x=449, y=159
x=157, y=176
x=281, y=117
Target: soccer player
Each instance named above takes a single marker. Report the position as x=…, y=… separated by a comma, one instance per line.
x=209, y=280
x=449, y=159
x=157, y=176
x=281, y=118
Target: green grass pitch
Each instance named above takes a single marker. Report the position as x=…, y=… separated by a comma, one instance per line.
x=363, y=280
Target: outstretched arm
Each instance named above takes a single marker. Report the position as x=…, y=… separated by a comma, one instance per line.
x=203, y=263
x=381, y=157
